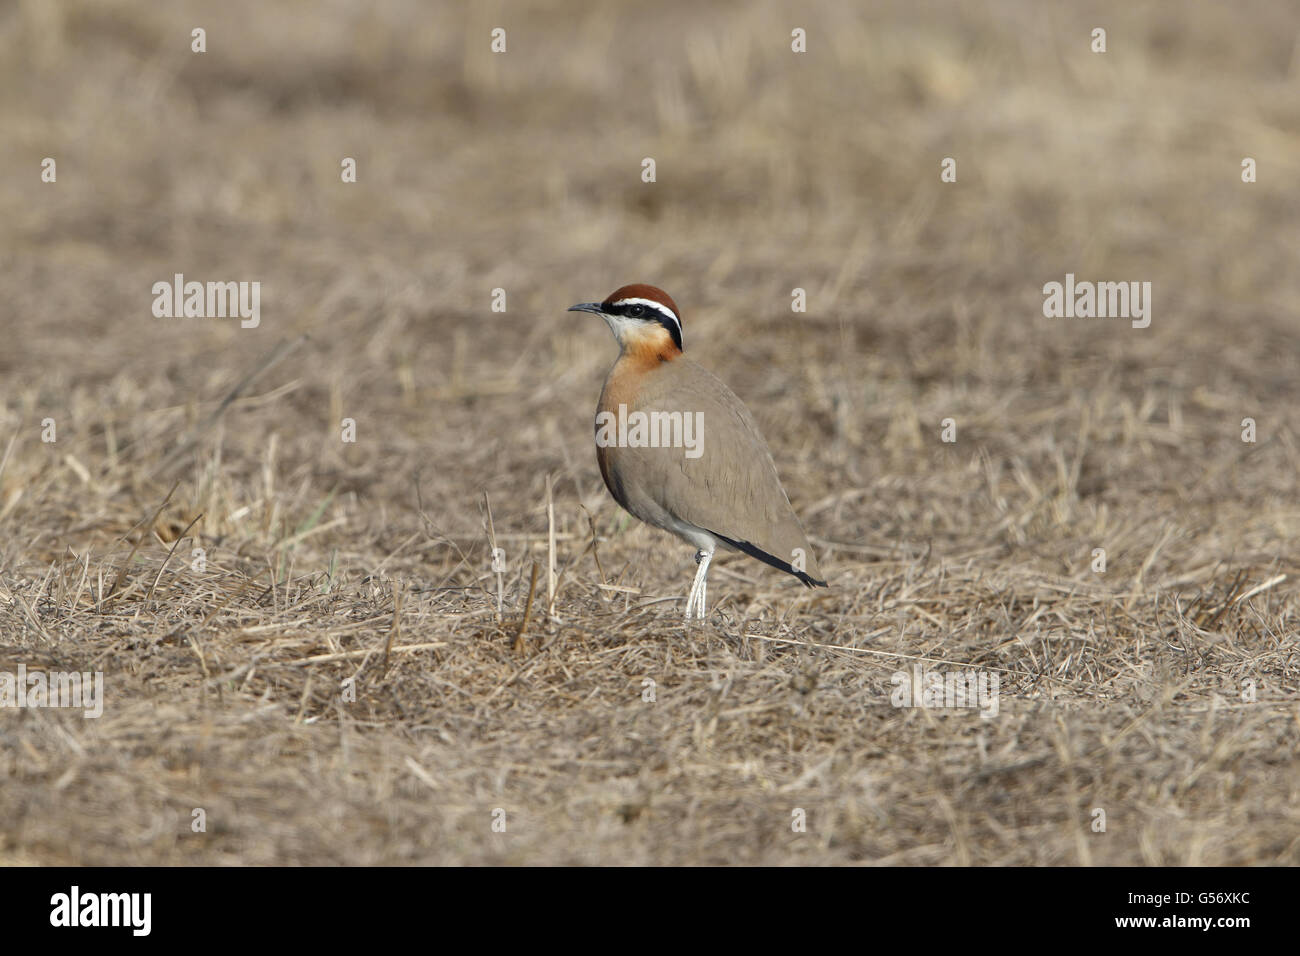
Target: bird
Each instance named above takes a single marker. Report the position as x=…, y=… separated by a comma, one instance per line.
x=678, y=450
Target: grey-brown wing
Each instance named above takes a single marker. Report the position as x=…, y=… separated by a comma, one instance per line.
x=727, y=483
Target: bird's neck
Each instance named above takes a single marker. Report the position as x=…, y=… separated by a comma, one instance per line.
x=648, y=348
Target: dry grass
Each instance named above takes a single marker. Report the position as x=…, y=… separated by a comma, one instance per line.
x=327, y=561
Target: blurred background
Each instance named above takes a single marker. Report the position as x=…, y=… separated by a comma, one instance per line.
x=522, y=171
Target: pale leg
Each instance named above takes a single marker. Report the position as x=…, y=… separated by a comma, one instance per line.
x=696, y=601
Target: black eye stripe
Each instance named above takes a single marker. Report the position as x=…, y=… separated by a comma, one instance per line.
x=649, y=312
x=639, y=310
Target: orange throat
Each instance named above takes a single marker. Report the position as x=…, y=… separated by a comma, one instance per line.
x=640, y=357
x=646, y=349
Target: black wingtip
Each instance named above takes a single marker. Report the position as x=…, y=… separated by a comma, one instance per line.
x=806, y=579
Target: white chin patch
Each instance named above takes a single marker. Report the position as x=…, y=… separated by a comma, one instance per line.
x=624, y=328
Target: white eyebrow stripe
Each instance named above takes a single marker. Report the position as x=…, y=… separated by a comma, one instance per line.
x=658, y=306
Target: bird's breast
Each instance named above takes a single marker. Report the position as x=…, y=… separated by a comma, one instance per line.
x=636, y=373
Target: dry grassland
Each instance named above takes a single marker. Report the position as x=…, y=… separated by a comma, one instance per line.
x=326, y=561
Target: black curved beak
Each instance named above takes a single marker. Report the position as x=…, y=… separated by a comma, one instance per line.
x=586, y=307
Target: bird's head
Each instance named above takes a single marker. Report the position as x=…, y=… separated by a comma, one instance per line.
x=641, y=317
